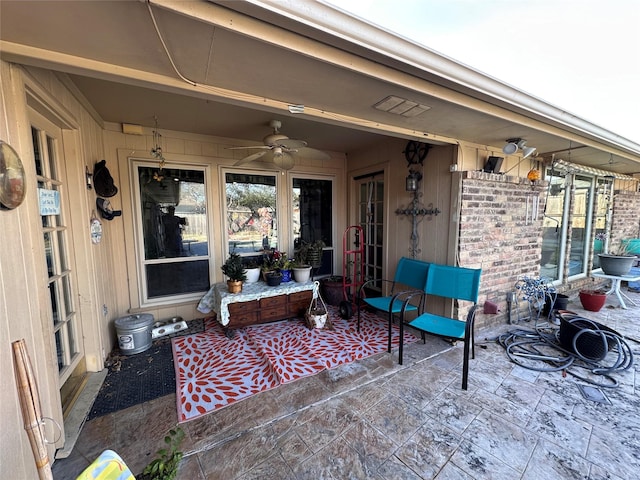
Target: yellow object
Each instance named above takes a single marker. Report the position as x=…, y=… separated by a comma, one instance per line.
x=533, y=175
x=108, y=466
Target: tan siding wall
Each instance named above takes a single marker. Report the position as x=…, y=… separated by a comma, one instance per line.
x=22, y=257
x=186, y=148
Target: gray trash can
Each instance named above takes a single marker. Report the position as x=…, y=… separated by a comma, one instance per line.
x=134, y=333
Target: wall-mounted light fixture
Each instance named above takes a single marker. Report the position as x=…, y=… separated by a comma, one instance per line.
x=88, y=176
x=515, y=144
x=413, y=180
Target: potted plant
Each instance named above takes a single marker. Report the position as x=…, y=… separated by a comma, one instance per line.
x=618, y=261
x=332, y=289
x=592, y=300
x=235, y=273
x=252, y=271
x=274, y=278
x=285, y=265
x=310, y=253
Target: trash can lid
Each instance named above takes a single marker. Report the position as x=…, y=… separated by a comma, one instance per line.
x=135, y=321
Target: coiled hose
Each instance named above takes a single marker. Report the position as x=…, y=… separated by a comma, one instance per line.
x=541, y=350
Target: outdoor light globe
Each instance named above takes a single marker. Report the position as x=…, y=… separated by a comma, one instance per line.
x=510, y=148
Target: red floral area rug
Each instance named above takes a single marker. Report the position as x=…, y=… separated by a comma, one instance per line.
x=213, y=371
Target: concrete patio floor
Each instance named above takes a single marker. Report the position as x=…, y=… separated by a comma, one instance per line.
x=375, y=419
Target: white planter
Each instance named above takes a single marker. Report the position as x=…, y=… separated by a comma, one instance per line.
x=253, y=274
x=301, y=274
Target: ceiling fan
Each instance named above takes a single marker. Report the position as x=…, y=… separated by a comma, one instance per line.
x=281, y=150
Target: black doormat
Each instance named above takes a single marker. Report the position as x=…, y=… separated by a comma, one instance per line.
x=139, y=378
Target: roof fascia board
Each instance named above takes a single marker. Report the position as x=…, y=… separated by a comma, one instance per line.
x=36, y=57
x=332, y=20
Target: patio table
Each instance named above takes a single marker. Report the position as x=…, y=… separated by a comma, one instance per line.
x=615, y=285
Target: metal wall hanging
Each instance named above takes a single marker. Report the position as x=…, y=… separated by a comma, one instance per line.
x=415, y=154
x=12, y=181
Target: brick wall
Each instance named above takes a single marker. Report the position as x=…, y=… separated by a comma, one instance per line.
x=500, y=233
x=626, y=216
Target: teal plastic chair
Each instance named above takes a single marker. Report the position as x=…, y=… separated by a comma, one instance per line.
x=457, y=283
x=411, y=275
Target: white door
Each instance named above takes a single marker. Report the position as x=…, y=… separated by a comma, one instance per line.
x=371, y=219
x=56, y=235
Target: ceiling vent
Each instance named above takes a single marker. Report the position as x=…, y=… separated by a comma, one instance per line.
x=401, y=106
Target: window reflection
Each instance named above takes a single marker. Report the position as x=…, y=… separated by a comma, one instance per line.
x=173, y=213
x=251, y=212
x=174, y=230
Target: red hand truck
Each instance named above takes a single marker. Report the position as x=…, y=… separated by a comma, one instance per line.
x=352, y=269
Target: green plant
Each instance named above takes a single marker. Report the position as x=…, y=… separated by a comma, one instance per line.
x=251, y=263
x=623, y=249
x=165, y=466
x=234, y=269
x=310, y=253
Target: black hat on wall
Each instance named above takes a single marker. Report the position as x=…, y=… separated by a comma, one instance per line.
x=103, y=181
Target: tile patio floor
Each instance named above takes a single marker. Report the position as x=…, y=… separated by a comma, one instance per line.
x=378, y=420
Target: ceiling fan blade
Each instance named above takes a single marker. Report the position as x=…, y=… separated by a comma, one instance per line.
x=291, y=143
x=313, y=154
x=261, y=147
x=251, y=158
x=284, y=161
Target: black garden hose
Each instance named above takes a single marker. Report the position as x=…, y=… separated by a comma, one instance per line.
x=541, y=350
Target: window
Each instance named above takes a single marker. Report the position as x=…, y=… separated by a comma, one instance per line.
x=568, y=243
x=579, y=249
x=312, y=219
x=174, y=244
x=601, y=218
x=252, y=224
x=553, y=228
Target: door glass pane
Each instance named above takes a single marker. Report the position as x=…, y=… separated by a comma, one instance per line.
x=251, y=212
x=372, y=222
x=66, y=291
x=55, y=307
x=49, y=254
x=60, y=350
x=579, y=225
x=71, y=338
x=600, y=220
x=552, y=229
x=64, y=266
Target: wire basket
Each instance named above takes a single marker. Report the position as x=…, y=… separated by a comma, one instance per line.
x=317, y=314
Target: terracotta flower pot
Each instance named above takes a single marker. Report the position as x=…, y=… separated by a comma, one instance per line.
x=592, y=300
x=234, y=286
